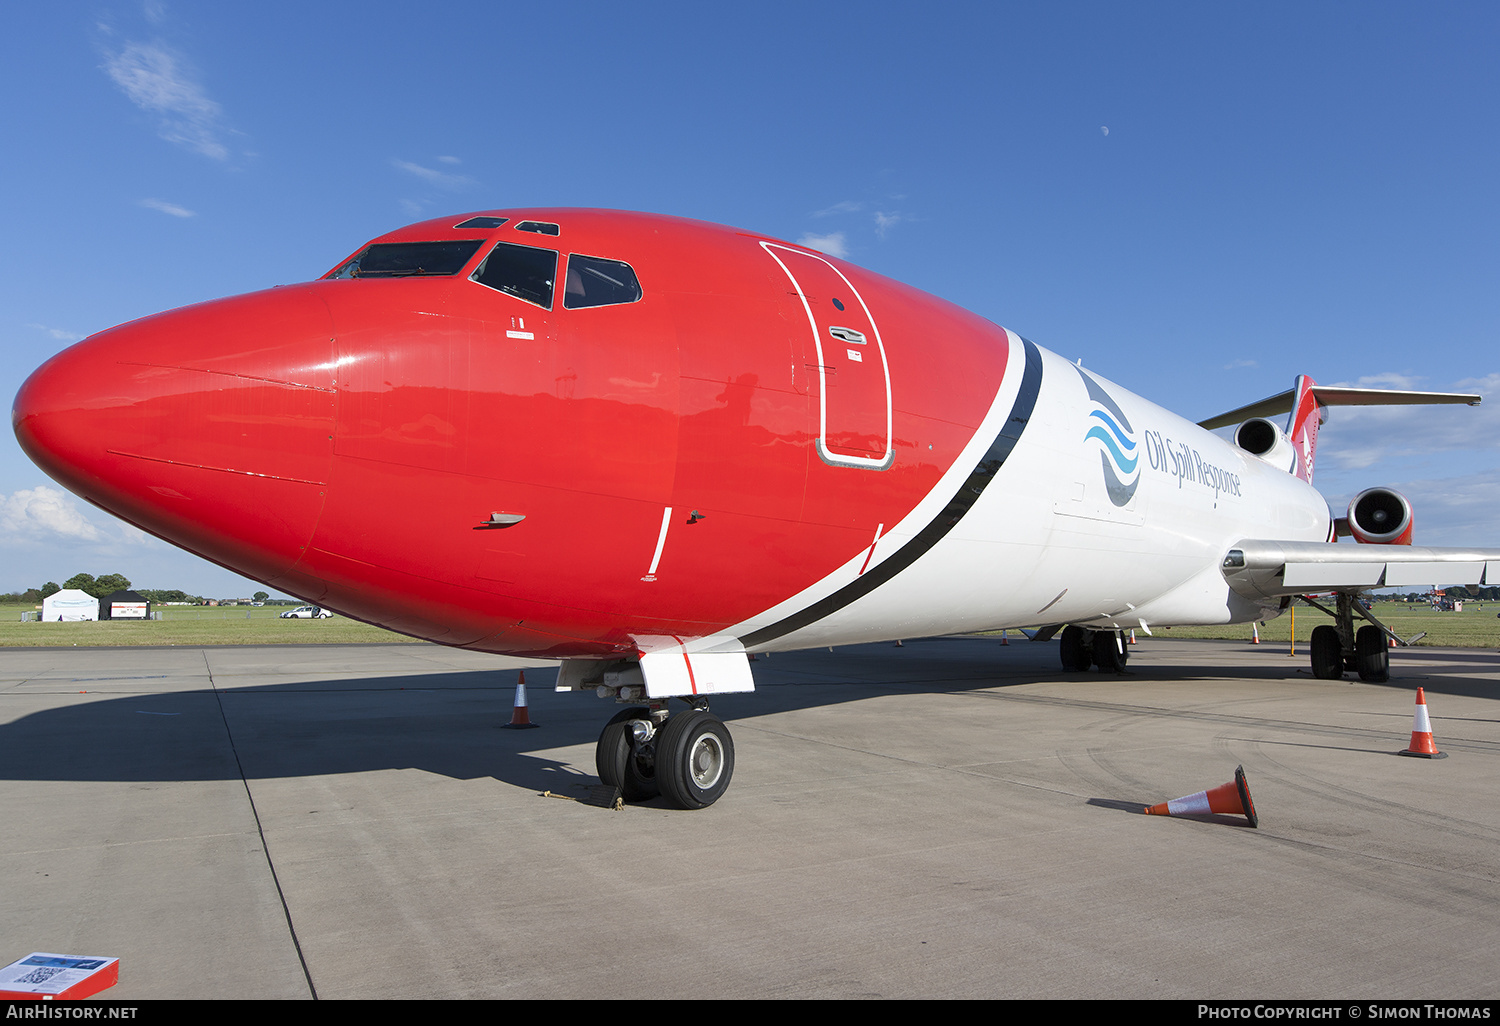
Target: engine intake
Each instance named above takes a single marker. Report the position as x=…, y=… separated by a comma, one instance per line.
x=1380, y=516
x=1259, y=437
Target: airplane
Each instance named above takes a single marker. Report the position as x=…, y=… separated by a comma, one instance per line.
x=650, y=447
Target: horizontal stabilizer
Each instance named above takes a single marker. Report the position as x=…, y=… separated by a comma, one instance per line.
x=1336, y=395
x=1271, y=569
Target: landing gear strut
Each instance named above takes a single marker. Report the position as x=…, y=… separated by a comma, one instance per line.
x=687, y=759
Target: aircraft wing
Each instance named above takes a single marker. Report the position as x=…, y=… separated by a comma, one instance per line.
x=1260, y=569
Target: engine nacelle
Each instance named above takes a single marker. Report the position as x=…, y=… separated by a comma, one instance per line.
x=1260, y=437
x=1380, y=516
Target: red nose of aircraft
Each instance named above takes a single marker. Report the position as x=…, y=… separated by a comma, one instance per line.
x=220, y=414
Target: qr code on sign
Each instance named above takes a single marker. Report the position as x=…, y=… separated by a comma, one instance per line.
x=40, y=975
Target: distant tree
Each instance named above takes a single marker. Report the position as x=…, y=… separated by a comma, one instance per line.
x=51, y=588
x=83, y=582
x=102, y=587
x=261, y=596
x=111, y=583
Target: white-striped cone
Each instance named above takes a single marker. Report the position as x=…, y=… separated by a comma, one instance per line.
x=1232, y=798
x=520, y=717
x=1421, y=733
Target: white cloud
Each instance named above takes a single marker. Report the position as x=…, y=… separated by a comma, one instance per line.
x=153, y=77
x=167, y=208
x=884, y=221
x=1363, y=436
x=832, y=244
x=431, y=176
x=1240, y=364
x=58, y=333
x=846, y=207
x=42, y=512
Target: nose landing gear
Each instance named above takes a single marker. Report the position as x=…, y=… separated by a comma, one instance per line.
x=687, y=759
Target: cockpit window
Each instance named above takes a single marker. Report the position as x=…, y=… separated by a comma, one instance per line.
x=594, y=281
x=409, y=259
x=482, y=221
x=520, y=271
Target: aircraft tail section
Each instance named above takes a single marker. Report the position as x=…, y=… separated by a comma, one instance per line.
x=1302, y=426
x=1305, y=402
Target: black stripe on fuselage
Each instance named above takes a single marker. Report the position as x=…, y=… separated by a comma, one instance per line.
x=963, y=500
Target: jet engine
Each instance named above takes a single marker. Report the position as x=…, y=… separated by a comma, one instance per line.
x=1380, y=516
x=1260, y=437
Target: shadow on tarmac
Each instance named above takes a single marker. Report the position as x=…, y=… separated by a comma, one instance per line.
x=452, y=723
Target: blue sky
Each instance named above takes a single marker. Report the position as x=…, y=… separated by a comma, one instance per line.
x=1200, y=200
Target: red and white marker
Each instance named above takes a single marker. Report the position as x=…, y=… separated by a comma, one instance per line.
x=1421, y=733
x=1232, y=799
x=520, y=717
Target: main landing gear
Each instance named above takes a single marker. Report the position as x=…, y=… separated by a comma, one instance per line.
x=1084, y=648
x=1338, y=647
x=688, y=759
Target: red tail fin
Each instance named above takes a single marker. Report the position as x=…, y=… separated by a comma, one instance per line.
x=1302, y=427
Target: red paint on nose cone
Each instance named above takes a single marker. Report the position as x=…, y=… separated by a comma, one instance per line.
x=209, y=426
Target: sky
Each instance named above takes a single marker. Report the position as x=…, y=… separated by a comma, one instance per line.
x=1198, y=200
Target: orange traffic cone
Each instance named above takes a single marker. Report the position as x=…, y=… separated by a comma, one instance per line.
x=1421, y=733
x=1232, y=798
x=1254, y=634
x=1132, y=636
x=1003, y=639
x=519, y=717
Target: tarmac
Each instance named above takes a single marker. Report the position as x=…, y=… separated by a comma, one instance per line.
x=950, y=818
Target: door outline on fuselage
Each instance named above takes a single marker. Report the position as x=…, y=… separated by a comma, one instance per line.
x=827, y=455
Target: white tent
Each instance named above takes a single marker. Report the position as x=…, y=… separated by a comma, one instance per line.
x=70, y=604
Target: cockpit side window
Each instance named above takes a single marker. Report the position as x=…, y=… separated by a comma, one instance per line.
x=520, y=271
x=594, y=281
x=409, y=259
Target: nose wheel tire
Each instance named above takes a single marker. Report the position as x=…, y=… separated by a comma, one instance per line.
x=621, y=762
x=694, y=759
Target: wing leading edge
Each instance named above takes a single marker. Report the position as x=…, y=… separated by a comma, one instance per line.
x=1259, y=570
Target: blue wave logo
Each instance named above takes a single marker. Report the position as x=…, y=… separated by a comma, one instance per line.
x=1119, y=454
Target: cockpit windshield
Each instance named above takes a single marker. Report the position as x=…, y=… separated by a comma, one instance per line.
x=409, y=259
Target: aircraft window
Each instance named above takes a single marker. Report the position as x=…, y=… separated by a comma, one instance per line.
x=409, y=259
x=520, y=271
x=482, y=222
x=541, y=227
x=594, y=281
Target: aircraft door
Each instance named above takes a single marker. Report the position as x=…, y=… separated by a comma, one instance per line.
x=854, y=381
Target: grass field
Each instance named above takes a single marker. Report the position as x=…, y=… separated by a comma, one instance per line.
x=192, y=625
x=1476, y=627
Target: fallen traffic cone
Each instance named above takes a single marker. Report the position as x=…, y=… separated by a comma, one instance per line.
x=1232, y=798
x=519, y=716
x=1421, y=733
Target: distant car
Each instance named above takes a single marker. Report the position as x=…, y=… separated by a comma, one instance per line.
x=306, y=613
